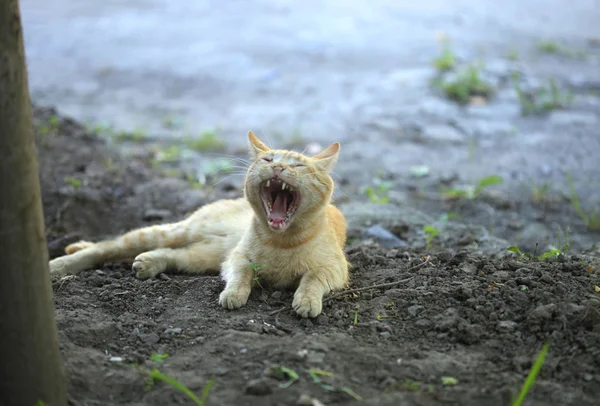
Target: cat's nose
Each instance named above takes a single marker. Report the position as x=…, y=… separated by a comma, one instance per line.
x=277, y=169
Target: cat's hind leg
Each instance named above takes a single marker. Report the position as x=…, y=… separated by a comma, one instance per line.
x=200, y=257
x=85, y=255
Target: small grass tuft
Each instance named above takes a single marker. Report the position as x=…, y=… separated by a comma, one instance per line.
x=156, y=375
x=561, y=248
x=539, y=192
x=256, y=269
x=512, y=55
x=76, y=183
x=466, y=85
x=532, y=376
x=591, y=218
x=431, y=232
x=159, y=358
x=207, y=141
x=137, y=135
x=548, y=47
x=472, y=192
x=543, y=99
x=446, y=61
x=280, y=372
x=379, y=193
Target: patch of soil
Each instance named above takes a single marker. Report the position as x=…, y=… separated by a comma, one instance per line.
x=478, y=319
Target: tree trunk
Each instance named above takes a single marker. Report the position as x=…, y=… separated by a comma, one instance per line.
x=30, y=362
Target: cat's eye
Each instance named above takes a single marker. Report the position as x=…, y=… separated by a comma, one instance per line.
x=298, y=165
x=267, y=159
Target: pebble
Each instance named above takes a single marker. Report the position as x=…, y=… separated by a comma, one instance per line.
x=306, y=400
x=542, y=313
x=254, y=327
x=384, y=237
x=423, y=324
x=149, y=339
x=258, y=387
x=414, y=310
x=385, y=334
x=171, y=331
x=507, y=325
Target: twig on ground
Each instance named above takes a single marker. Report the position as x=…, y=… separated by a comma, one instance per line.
x=379, y=286
x=281, y=326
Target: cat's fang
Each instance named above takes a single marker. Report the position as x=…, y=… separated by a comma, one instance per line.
x=283, y=185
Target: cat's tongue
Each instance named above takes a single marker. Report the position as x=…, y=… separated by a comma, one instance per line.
x=279, y=208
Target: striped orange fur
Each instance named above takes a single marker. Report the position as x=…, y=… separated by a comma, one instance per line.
x=285, y=223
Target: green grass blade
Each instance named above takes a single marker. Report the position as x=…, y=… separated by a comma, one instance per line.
x=575, y=200
x=206, y=390
x=157, y=375
x=532, y=375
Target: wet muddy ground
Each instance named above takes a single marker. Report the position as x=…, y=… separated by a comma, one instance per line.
x=462, y=325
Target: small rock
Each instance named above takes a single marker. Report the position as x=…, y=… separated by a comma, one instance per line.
x=542, y=313
x=149, y=339
x=276, y=295
x=100, y=272
x=468, y=333
x=304, y=400
x=462, y=293
x=385, y=334
x=164, y=277
x=156, y=214
x=507, y=325
x=423, y=324
x=414, y=310
x=392, y=253
x=384, y=237
x=306, y=323
x=171, y=331
x=258, y=387
x=254, y=327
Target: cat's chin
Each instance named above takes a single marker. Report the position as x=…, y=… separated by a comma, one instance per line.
x=280, y=201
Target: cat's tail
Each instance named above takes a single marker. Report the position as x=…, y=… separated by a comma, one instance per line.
x=85, y=255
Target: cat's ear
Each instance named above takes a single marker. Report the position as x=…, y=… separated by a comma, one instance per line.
x=327, y=158
x=256, y=146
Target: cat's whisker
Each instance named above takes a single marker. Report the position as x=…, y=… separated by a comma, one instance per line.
x=225, y=178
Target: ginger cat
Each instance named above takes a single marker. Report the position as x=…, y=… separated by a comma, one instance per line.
x=285, y=223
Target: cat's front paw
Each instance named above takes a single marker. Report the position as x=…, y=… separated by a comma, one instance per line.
x=59, y=266
x=234, y=298
x=148, y=265
x=307, y=304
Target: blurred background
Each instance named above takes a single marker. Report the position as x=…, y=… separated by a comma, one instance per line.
x=477, y=110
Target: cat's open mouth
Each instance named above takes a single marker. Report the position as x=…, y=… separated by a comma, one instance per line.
x=280, y=201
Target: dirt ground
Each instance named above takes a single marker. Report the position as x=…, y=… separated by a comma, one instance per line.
x=461, y=329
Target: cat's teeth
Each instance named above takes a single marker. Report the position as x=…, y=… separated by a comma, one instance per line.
x=283, y=185
x=269, y=183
